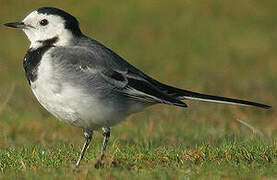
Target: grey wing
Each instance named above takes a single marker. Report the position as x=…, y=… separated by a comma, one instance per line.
x=102, y=70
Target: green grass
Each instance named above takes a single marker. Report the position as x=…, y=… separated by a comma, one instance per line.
x=225, y=48
x=229, y=156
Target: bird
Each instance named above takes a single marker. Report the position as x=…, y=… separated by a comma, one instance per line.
x=85, y=84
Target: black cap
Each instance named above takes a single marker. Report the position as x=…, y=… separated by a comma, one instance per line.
x=71, y=22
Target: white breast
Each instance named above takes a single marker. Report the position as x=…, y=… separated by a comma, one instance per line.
x=68, y=102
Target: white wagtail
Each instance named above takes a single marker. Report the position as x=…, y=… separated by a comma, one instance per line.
x=84, y=83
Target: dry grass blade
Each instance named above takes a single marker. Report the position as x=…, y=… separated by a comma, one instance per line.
x=8, y=98
x=254, y=130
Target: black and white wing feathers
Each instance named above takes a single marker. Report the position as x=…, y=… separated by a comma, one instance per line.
x=118, y=76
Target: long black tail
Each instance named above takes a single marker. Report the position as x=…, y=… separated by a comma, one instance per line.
x=184, y=94
x=181, y=94
x=210, y=98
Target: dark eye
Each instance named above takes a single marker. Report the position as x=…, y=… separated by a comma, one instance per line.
x=43, y=22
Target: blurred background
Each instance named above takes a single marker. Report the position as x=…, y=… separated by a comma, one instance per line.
x=225, y=48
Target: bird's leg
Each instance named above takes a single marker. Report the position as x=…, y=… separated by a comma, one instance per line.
x=88, y=136
x=106, y=134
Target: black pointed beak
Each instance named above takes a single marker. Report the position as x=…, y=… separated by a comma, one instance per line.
x=16, y=25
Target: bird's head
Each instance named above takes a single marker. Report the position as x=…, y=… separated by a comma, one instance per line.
x=49, y=25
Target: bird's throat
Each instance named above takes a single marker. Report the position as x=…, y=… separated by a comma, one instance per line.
x=48, y=42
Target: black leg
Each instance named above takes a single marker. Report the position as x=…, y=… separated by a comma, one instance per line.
x=106, y=134
x=88, y=136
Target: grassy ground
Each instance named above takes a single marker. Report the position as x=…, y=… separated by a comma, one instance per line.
x=218, y=47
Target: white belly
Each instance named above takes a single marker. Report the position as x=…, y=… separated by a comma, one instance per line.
x=70, y=103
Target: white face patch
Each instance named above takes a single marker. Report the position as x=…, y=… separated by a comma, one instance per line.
x=37, y=33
